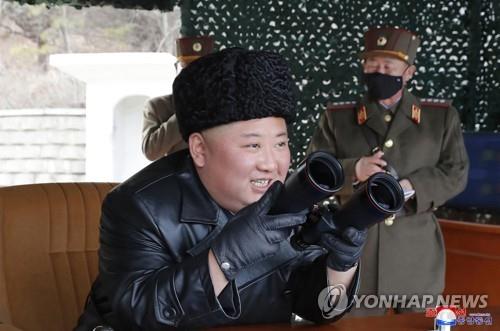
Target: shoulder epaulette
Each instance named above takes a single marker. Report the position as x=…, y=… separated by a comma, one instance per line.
x=342, y=105
x=439, y=103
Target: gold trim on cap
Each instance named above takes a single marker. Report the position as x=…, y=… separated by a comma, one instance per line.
x=399, y=55
x=188, y=58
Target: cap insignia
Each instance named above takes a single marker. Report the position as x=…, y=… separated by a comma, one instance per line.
x=197, y=47
x=381, y=41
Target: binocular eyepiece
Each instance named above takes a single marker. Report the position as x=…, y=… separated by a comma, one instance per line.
x=321, y=175
x=376, y=199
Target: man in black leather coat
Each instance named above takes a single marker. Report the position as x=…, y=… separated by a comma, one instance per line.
x=188, y=242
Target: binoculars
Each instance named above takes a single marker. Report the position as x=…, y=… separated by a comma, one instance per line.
x=318, y=177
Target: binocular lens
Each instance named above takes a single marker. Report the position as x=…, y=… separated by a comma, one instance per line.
x=316, y=179
x=385, y=192
x=325, y=172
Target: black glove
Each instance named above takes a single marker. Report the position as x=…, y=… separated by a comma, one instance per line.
x=344, y=245
x=252, y=235
x=344, y=249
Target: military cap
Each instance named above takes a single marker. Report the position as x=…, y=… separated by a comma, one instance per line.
x=191, y=48
x=233, y=85
x=394, y=42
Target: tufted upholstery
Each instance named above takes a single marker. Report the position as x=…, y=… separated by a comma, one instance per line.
x=48, y=252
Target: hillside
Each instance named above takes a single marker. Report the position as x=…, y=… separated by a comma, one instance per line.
x=29, y=34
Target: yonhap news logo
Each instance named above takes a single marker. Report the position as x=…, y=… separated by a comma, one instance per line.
x=419, y=301
x=333, y=300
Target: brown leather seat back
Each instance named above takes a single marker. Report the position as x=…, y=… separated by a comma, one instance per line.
x=49, y=236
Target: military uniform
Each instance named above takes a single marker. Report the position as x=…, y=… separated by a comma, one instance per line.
x=160, y=131
x=422, y=140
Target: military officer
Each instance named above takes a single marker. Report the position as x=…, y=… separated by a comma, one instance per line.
x=160, y=131
x=422, y=140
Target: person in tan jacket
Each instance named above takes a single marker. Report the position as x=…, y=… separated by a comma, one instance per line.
x=422, y=140
x=160, y=131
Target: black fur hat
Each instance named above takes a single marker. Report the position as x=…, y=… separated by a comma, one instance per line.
x=233, y=85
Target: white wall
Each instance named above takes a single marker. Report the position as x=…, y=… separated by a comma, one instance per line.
x=127, y=135
x=42, y=145
x=117, y=86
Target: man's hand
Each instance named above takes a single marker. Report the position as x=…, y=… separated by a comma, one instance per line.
x=344, y=249
x=344, y=245
x=406, y=184
x=252, y=235
x=407, y=188
x=369, y=165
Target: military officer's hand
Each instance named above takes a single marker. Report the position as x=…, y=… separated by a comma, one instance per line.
x=407, y=188
x=369, y=165
x=406, y=184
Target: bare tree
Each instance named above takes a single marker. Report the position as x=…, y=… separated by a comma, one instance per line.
x=30, y=33
x=32, y=23
x=63, y=29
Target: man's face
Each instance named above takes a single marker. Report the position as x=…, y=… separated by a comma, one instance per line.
x=238, y=162
x=389, y=66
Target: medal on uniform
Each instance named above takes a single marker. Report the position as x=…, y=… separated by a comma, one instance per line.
x=362, y=115
x=415, y=114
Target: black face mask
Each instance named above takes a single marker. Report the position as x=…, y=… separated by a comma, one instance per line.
x=382, y=86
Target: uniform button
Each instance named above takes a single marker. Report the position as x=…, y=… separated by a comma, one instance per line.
x=389, y=220
x=287, y=291
x=225, y=266
x=387, y=118
x=389, y=143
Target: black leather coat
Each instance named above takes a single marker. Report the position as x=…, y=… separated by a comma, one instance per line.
x=156, y=230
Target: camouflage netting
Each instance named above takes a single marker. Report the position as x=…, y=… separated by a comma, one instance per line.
x=459, y=57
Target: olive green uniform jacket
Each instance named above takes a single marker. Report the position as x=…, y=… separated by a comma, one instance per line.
x=160, y=131
x=423, y=142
